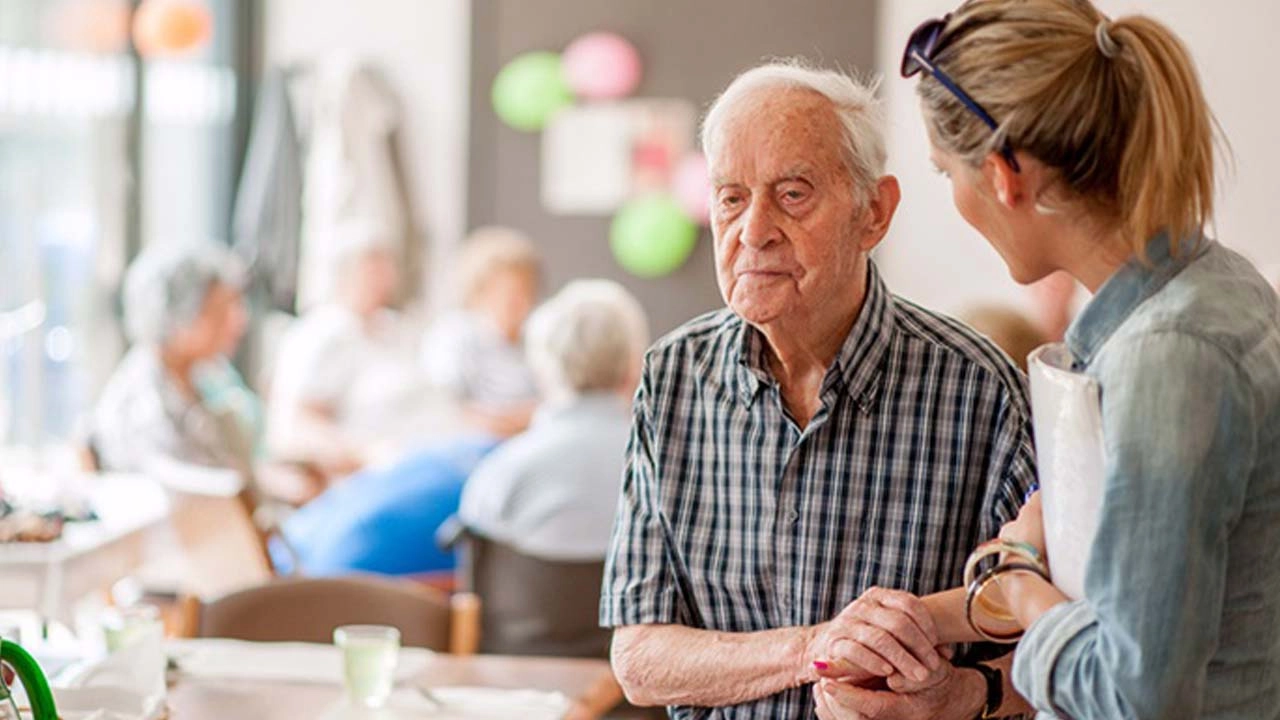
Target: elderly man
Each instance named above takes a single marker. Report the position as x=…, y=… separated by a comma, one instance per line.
x=815, y=441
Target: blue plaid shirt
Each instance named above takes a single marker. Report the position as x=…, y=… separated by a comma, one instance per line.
x=733, y=518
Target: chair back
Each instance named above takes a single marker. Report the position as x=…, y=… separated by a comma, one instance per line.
x=532, y=606
x=309, y=609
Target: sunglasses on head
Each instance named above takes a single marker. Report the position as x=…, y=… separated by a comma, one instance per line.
x=923, y=45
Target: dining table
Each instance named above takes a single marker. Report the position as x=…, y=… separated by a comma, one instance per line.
x=89, y=556
x=588, y=685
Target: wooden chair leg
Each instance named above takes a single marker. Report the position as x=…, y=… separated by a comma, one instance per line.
x=464, y=624
x=189, y=607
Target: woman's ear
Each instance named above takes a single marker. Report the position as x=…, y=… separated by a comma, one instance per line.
x=1007, y=184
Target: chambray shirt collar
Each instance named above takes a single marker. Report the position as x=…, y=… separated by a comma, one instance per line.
x=1124, y=291
x=858, y=365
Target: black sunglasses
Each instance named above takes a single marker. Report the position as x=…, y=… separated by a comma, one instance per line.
x=922, y=47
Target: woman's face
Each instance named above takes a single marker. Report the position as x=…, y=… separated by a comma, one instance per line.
x=1015, y=229
x=217, y=330
x=508, y=297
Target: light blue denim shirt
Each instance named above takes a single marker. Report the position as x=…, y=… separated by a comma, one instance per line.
x=1181, y=616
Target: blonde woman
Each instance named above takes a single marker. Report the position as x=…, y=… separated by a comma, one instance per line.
x=1083, y=144
x=475, y=352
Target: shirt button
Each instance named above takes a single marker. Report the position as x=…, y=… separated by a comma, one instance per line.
x=792, y=515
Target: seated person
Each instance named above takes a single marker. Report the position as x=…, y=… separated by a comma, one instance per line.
x=540, y=508
x=175, y=401
x=551, y=491
x=474, y=352
x=345, y=382
x=382, y=520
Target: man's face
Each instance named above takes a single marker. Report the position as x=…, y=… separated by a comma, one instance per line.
x=784, y=214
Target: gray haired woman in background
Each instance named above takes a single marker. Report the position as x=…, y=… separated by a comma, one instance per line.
x=174, y=397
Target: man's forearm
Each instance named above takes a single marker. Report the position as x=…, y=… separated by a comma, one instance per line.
x=677, y=665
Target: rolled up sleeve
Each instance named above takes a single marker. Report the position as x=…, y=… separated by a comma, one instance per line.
x=639, y=586
x=1180, y=434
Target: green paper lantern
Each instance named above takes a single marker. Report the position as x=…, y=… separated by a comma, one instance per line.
x=529, y=90
x=652, y=236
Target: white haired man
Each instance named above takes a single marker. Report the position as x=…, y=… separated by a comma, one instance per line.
x=814, y=442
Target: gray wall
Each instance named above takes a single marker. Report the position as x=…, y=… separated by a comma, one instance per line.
x=690, y=49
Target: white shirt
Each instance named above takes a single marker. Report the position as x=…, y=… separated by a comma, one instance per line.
x=552, y=491
x=466, y=355
x=364, y=371
x=143, y=422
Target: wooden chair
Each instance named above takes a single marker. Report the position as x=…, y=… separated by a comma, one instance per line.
x=308, y=610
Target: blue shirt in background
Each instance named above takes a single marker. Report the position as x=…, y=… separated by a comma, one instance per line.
x=383, y=520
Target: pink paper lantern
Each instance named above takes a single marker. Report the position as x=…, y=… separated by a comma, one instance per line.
x=692, y=188
x=601, y=65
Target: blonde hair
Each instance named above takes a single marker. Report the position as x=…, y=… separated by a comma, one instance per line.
x=489, y=250
x=1115, y=107
x=854, y=102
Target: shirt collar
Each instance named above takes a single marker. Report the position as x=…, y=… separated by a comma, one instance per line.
x=1124, y=291
x=857, y=366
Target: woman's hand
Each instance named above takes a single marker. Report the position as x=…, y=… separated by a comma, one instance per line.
x=881, y=634
x=1028, y=527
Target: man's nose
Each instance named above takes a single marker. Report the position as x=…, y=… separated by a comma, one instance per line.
x=759, y=228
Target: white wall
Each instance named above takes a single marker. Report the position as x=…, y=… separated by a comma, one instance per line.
x=423, y=47
x=932, y=256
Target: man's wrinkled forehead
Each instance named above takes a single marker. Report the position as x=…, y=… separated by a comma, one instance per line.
x=778, y=126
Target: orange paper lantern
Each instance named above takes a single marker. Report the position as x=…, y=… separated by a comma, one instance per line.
x=171, y=27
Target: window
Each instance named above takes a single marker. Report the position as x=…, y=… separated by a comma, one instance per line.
x=101, y=153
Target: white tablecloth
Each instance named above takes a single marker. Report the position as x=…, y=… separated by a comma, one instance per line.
x=50, y=577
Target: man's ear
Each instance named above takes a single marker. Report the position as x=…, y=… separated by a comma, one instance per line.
x=880, y=209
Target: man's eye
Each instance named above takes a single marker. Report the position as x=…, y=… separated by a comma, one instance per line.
x=792, y=196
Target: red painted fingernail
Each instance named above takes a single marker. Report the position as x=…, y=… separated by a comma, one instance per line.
x=820, y=665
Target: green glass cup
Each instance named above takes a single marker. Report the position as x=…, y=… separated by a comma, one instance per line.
x=369, y=656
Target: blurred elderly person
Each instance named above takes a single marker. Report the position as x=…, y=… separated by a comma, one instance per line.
x=345, y=383
x=539, y=510
x=475, y=351
x=551, y=491
x=175, y=398
x=803, y=459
